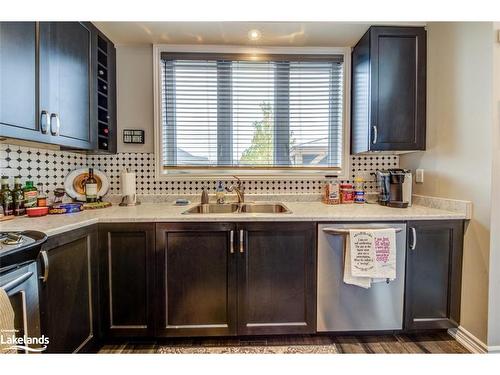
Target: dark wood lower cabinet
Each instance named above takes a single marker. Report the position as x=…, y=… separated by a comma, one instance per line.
x=196, y=279
x=218, y=279
x=68, y=291
x=433, y=274
x=277, y=278
x=228, y=279
x=126, y=253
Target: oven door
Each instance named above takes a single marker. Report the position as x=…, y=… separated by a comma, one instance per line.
x=21, y=285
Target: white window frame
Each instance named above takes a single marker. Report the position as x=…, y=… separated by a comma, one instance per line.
x=249, y=174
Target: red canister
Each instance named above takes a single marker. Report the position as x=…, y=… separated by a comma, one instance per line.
x=346, y=193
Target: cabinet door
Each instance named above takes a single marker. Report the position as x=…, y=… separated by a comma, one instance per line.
x=18, y=77
x=68, y=299
x=277, y=278
x=433, y=274
x=398, y=88
x=196, y=268
x=65, y=85
x=126, y=273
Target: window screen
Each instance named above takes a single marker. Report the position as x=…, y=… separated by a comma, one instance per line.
x=221, y=111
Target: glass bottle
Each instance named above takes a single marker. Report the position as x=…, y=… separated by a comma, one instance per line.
x=91, y=187
x=7, y=200
x=30, y=195
x=41, y=200
x=18, y=197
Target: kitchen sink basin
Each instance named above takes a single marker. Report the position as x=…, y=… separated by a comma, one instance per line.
x=213, y=208
x=264, y=208
x=230, y=208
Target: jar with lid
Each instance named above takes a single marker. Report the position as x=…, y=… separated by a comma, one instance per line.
x=346, y=193
x=359, y=190
x=331, y=191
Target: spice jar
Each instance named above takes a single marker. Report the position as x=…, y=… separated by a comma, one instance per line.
x=359, y=190
x=331, y=191
x=346, y=193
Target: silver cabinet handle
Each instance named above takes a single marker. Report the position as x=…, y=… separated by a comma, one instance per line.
x=44, y=122
x=414, y=239
x=375, y=134
x=231, y=242
x=45, y=260
x=242, y=236
x=55, y=125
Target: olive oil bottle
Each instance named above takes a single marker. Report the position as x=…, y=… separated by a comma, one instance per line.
x=18, y=197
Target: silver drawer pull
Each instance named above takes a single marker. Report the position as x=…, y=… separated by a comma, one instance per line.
x=375, y=134
x=413, y=245
x=231, y=242
x=242, y=236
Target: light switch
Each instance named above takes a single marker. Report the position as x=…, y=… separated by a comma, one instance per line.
x=419, y=176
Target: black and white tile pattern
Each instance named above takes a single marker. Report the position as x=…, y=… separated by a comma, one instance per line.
x=51, y=167
x=39, y=165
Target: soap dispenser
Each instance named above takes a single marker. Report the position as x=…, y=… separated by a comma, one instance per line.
x=220, y=193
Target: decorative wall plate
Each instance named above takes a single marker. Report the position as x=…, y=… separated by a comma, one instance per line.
x=74, y=184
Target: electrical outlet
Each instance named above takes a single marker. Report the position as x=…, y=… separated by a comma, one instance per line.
x=419, y=176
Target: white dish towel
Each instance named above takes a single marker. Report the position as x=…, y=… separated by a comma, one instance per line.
x=6, y=324
x=370, y=256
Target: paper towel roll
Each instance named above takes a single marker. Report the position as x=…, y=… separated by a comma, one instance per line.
x=128, y=183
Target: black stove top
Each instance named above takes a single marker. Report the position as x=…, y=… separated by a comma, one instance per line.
x=19, y=247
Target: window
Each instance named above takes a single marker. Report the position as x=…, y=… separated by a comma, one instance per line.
x=236, y=113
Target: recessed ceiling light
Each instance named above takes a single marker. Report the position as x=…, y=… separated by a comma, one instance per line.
x=254, y=34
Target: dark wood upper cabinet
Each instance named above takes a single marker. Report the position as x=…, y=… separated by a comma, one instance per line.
x=196, y=279
x=18, y=81
x=277, y=278
x=126, y=254
x=388, y=98
x=433, y=274
x=68, y=291
x=58, y=85
x=65, y=86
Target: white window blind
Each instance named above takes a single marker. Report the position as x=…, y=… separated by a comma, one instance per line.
x=232, y=112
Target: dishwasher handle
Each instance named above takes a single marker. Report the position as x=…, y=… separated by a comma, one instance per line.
x=341, y=231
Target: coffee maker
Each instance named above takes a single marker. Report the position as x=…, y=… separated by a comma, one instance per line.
x=395, y=187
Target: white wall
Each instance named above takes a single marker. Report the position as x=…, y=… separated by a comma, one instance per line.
x=494, y=286
x=134, y=76
x=458, y=159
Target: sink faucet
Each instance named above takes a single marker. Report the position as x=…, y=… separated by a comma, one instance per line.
x=204, y=196
x=240, y=192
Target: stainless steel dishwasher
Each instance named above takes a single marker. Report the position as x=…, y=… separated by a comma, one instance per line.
x=343, y=307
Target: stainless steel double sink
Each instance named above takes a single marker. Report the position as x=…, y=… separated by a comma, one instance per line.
x=236, y=208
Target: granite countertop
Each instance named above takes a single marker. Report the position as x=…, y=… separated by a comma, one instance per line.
x=167, y=212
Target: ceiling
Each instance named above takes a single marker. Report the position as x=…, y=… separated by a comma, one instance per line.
x=317, y=34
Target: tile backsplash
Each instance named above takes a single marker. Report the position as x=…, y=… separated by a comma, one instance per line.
x=51, y=167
